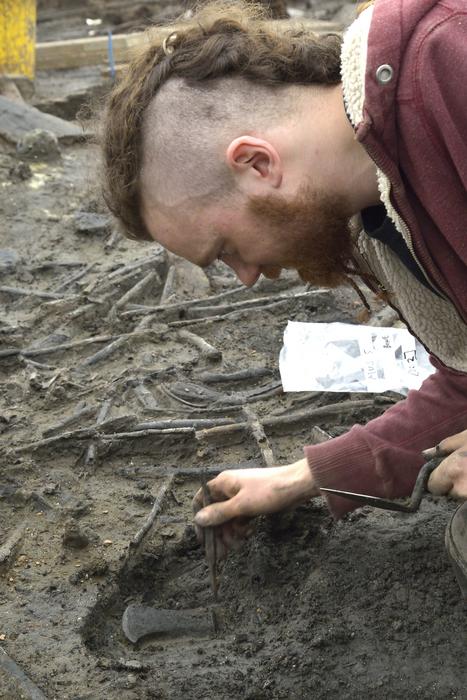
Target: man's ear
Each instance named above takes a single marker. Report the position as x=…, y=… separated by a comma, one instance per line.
x=256, y=158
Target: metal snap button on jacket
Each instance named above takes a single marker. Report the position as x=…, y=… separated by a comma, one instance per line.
x=384, y=74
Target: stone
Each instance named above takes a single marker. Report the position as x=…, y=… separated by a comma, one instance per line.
x=131, y=680
x=185, y=281
x=74, y=536
x=9, y=261
x=38, y=145
x=97, y=566
x=19, y=172
x=51, y=340
x=19, y=118
x=89, y=223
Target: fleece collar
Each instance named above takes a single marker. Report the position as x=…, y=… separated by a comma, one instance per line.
x=353, y=65
x=353, y=71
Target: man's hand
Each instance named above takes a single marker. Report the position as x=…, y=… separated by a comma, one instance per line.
x=450, y=478
x=242, y=494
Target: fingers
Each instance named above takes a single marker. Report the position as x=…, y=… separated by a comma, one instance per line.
x=440, y=482
x=446, y=446
x=217, y=513
x=221, y=488
x=224, y=486
x=450, y=478
x=454, y=442
x=436, y=451
x=224, y=490
x=197, y=502
x=229, y=536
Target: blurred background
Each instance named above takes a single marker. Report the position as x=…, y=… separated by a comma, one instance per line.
x=78, y=18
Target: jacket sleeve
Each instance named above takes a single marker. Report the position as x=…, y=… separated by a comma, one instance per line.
x=384, y=457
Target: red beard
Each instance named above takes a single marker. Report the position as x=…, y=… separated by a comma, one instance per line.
x=316, y=228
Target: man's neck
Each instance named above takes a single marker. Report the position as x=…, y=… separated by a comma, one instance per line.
x=333, y=155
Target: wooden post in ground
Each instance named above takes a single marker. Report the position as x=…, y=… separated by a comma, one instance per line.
x=17, y=38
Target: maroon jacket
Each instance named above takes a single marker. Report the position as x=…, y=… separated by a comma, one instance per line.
x=415, y=129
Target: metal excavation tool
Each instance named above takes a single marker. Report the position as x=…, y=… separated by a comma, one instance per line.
x=410, y=505
x=210, y=540
x=141, y=621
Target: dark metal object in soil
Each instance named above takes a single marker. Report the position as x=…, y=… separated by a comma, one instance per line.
x=410, y=506
x=141, y=621
x=12, y=669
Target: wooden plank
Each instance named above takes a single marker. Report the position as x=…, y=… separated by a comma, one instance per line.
x=92, y=51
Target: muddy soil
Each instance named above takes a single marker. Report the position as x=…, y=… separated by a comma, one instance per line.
x=365, y=607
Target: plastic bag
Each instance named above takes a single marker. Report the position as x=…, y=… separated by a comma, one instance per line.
x=344, y=357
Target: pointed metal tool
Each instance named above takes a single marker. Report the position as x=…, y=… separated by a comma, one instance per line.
x=210, y=540
x=410, y=505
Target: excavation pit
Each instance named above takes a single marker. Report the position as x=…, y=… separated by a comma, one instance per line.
x=307, y=607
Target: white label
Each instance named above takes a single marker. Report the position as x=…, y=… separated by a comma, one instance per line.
x=344, y=357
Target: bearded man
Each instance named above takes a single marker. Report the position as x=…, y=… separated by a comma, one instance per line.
x=236, y=141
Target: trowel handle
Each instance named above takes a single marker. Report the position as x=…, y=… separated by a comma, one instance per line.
x=421, y=484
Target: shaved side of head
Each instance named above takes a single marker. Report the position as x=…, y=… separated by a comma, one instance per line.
x=188, y=127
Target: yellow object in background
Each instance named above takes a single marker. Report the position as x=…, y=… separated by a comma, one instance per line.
x=17, y=38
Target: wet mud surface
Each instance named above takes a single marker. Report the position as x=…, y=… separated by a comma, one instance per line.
x=309, y=608
x=90, y=440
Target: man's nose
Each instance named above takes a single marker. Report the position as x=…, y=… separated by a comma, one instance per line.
x=246, y=273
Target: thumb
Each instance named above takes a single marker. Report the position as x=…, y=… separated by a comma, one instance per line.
x=216, y=513
x=439, y=482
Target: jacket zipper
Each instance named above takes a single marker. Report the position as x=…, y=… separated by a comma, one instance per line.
x=408, y=240
x=383, y=289
x=406, y=230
